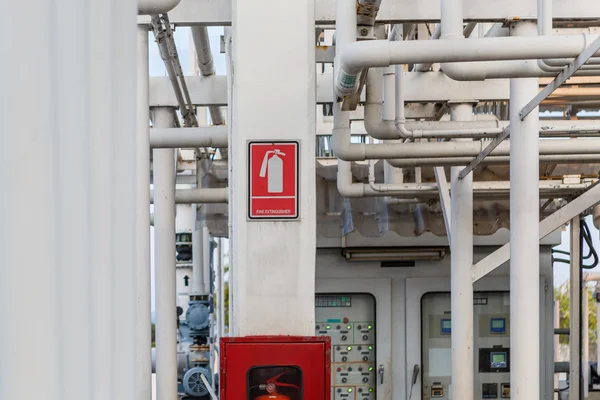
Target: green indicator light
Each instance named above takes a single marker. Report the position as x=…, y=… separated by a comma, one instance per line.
x=370, y=390
x=349, y=348
x=370, y=368
x=349, y=390
x=328, y=327
x=370, y=327
x=349, y=327
x=370, y=347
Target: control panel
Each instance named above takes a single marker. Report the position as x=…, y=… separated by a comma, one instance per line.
x=349, y=319
x=491, y=334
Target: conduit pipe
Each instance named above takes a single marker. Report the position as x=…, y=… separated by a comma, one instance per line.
x=207, y=66
x=207, y=136
x=154, y=7
x=199, y=196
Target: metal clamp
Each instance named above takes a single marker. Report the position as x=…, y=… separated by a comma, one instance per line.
x=380, y=372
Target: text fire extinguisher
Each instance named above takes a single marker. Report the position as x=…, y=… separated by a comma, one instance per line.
x=273, y=167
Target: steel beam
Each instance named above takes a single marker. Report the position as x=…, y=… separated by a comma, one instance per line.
x=218, y=13
x=548, y=225
x=419, y=88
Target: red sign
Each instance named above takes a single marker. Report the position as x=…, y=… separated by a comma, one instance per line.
x=273, y=180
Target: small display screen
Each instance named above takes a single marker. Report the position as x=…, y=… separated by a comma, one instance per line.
x=446, y=326
x=498, y=360
x=498, y=325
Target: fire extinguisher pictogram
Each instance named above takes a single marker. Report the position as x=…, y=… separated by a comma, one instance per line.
x=272, y=168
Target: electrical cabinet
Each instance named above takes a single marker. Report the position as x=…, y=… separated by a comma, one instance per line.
x=349, y=320
x=491, y=334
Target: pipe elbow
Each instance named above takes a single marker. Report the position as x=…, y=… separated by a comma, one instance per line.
x=376, y=126
x=347, y=188
x=345, y=150
x=153, y=7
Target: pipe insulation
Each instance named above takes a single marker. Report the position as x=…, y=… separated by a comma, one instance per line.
x=154, y=7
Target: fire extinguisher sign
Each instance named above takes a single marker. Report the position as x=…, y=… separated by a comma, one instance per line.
x=273, y=180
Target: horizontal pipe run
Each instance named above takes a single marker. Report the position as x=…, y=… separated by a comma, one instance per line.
x=209, y=136
x=491, y=160
x=357, y=56
x=199, y=196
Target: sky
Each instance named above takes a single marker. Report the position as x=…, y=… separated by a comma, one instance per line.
x=183, y=42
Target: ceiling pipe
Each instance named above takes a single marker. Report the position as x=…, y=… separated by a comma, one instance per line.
x=207, y=136
x=153, y=7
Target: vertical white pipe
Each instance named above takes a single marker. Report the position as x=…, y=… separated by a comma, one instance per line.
x=143, y=314
x=68, y=237
x=585, y=338
x=451, y=19
x=556, y=340
x=524, y=237
x=198, y=284
x=206, y=260
x=164, y=249
x=461, y=286
x=575, y=311
x=221, y=288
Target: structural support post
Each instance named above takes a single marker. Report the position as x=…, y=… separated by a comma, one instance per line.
x=461, y=286
x=143, y=313
x=198, y=282
x=575, y=311
x=585, y=339
x=524, y=241
x=68, y=236
x=273, y=262
x=164, y=256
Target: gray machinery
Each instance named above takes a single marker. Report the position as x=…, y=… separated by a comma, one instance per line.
x=491, y=331
x=349, y=319
x=197, y=328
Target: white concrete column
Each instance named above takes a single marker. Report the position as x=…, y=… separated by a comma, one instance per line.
x=524, y=237
x=143, y=313
x=164, y=256
x=273, y=263
x=68, y=200
x=461, y=286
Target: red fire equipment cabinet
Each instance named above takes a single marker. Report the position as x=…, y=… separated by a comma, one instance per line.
x=275, y=368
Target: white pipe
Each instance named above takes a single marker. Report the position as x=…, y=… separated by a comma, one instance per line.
x=68, y=204
x=198, y=196
x=434, y=36
x=575, y=310
x=381, y=53
x=153, y=7
x=143, y=275
x=206, y=65
x=524, y=242
x=345, y=34
x=597, y=323
x=221, y=287
x=207, y=136
x=460, y=274
x=164, y=248
x=206, y=259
